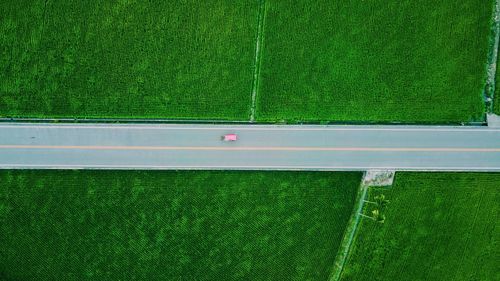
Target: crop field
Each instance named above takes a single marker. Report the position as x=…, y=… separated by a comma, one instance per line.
x=374, y=60
x=122, y=225
x=438, y=227
x=496, y=105
x=496, y=101
x=350, y=60
x=144, y=59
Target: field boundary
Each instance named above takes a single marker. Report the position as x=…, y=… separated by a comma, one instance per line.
x=223, y=121
x=258, y=56
x=474, y=222
x=121, y=120
x=349, y=233
x=490, y=87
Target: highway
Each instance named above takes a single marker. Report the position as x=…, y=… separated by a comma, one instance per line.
x=260, y=147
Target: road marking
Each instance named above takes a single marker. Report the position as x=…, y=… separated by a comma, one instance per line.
x=250, y=167
x=253, y=128
x=256, y=148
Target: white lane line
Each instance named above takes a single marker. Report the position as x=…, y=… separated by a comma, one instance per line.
x=255, y=128
x=256, y=148
x=56, y=166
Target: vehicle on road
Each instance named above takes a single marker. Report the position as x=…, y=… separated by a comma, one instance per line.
x=230, y=137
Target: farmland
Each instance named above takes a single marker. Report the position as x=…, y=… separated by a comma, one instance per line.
x=496, y=101
x=156, y=225
x=127, y=59
x=363, y=61
x=374, y=61
x=438, y=227
x=496, y=104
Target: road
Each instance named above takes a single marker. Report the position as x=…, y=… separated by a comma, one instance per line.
x=105, y=146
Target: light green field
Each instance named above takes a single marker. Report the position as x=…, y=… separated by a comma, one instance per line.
x=438, y=227
x=496, y=101
x=142, y=59
x=379, y=61
x=125, y=225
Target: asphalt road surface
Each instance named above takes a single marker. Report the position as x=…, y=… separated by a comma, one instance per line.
x=105, y=146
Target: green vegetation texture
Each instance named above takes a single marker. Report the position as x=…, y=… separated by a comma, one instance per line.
x=395, y=60
x=145, y=59
x=122, y=225
x=496, y=100
x=438, y=227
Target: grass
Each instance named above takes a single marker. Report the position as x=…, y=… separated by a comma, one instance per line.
x=380, y=61
x=144, y=59
x=123, y=225
x=438, y=227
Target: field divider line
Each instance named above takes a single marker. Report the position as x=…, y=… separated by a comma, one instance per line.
x=253, y=127
x=349, y=234
x=163, y=121
x=4, y=166
x=250, y=148
x=468, y=238
x=492, y=58
x=257, y=57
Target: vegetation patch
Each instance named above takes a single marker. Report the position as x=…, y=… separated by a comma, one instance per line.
x=437, y=227
x=375, y=61
x=496, y=100
x=161, y=225
x=144, y=59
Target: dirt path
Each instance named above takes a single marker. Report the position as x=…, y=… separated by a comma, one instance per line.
x=492, y=58
x=257, y=58
x=351, y=227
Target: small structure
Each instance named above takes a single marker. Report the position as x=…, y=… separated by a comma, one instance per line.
x=378, y=177
x=493, y=120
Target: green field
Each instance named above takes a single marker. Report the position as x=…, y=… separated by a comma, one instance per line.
x=366, y=61
x=123, y=225
x=395, y=60
x=145, y=59
x=496, y=101
x=438, y=227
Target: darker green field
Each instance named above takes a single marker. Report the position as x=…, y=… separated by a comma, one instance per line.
x=146, y=59
x=497, y=104
x=103, y=225
x=381, y=61
x=438, y=227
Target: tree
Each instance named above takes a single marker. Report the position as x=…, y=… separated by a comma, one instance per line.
x=381, y=201
x=376, y=216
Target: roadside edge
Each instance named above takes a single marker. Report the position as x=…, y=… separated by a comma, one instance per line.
x=349, y=233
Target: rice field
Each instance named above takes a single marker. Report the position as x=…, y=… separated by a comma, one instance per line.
x=141, y=59
x=360, y=61
x=496, y=100
x=374, y=61
x=496, y=107
x=165, y=225
x=439, y=226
